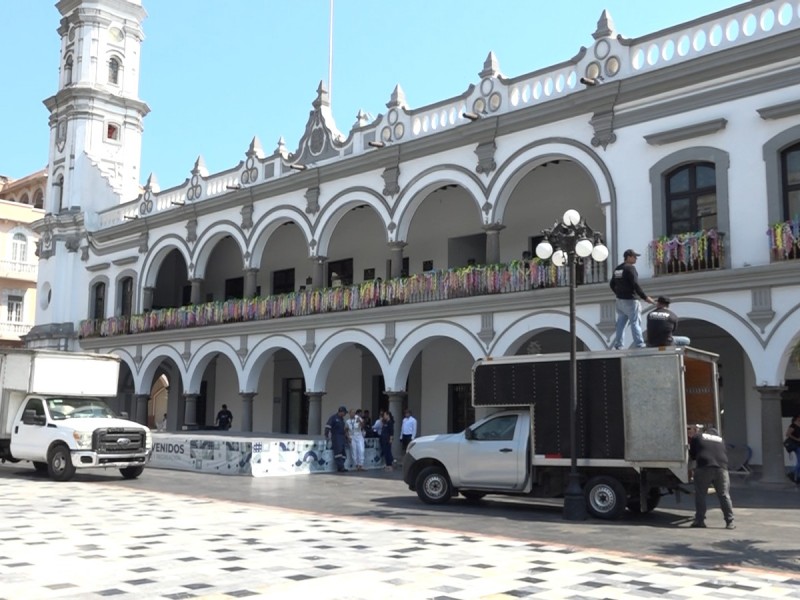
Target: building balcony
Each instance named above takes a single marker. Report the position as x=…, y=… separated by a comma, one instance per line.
x=433, y=286
x=688, y=252
x=784, y=240
x=12, y=269
x=13, y=330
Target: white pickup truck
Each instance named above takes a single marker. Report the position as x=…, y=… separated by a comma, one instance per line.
x=633, y=410
x=53, y=413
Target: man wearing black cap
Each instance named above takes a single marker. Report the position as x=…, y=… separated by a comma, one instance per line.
x=625, y=285
x=661, y=324
x=335, y=432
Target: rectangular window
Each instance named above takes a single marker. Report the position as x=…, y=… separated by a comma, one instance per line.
x=283, y=281
x=343, y=269
x=234, y=288
x=19, y=248
x=14, y=309
x=126, y=297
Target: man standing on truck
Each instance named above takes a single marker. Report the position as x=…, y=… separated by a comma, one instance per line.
x=711, y=468
x=625, y=285
x=661, y=324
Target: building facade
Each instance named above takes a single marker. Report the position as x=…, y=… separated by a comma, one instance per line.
x=372, y=268
x=21, y=202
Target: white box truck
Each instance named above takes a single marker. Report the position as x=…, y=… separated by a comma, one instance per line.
x=633, y=411
x=53, y=413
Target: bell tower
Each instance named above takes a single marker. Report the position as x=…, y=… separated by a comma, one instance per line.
x=96, y=114
x=96, y=119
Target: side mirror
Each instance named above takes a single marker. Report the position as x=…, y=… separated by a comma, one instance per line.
x=123, y=414
x=469, y=434
x=29, y=417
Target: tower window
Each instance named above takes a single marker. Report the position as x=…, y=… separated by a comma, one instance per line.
x=113, y=71
x=38, y=199
x=112, y=132
x=68, y=70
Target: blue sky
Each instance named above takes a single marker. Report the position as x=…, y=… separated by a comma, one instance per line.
x=215, y=74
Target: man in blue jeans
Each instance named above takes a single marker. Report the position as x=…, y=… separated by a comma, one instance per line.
x=625, y=285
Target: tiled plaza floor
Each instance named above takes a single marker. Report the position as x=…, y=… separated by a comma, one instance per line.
x=95, y=540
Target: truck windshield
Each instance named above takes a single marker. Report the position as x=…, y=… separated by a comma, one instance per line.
x=78, y=408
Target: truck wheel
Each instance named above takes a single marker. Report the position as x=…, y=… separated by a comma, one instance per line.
x=653, y=498
x=40, y=466
x=433, y=485
x=59, y=464
x=605, y=497
x=131, y=472
x=473, y=496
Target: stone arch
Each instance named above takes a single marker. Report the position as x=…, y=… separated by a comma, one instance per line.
x=509, y=340
x=784, y=336
x=413, y=342
x=772, y=158
x=339, y=205
x=327, y=352
x=526, y=159
x=261, y=353
x=153, y=360
x=203, y=355
x=207, y=241
x=266, y=226
x=427, y=181
x=720, y=159
x=156, y=255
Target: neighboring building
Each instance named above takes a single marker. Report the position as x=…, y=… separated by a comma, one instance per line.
x=683, y=144
x=21, y=202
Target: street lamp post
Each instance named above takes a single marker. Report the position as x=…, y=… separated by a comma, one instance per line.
x=570, y=237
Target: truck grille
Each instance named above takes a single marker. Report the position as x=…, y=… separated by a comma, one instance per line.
x=118, y=440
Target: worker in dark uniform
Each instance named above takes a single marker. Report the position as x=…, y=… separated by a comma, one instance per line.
x=335, y=432
x=711, y=468
x=661, y=325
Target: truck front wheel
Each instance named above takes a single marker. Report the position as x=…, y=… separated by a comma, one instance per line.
x=433, y=485
x=131, y=472
x=59, y=464
x=605, y=498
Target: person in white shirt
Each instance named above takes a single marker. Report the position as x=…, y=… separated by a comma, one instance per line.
x=408, y=429
x=355, y=433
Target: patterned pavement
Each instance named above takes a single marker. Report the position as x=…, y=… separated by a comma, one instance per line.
x=97, y=540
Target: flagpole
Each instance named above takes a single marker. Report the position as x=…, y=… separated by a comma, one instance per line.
x=330, y=53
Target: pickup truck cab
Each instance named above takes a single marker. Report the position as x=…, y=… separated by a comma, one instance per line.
x=62, y=434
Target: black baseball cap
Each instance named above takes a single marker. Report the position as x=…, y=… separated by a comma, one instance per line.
x=663, y=300
x=630, y=252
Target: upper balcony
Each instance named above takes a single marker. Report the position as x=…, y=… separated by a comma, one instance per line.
x=21, y=271
x=688, y=252
x=432, y=286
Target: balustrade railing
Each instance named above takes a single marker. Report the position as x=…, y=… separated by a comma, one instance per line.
x=687, y=252
x=517, y=276
x=784, y=240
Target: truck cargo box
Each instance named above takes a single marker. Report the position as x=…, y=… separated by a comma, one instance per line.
x=632, y=405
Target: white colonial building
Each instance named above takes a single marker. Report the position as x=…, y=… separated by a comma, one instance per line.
x=372, y=267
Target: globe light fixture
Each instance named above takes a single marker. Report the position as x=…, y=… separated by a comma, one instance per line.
x=561, y=244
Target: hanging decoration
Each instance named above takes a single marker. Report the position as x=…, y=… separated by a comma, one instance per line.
x=697, y=251
x=431, y=286
x=784, y=240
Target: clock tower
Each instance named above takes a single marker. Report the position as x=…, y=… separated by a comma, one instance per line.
x=96, y=127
